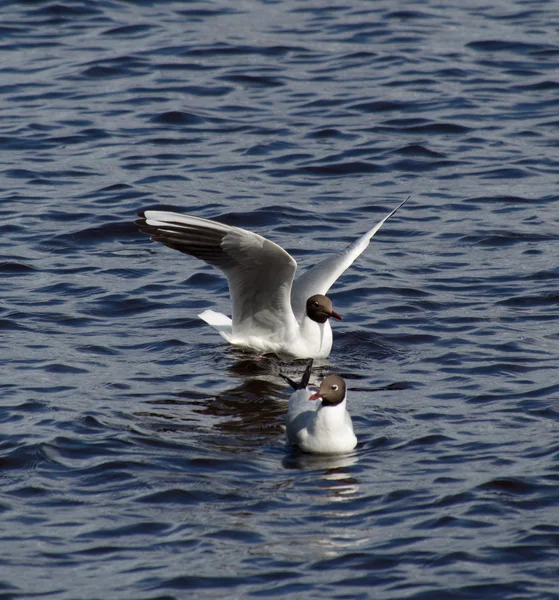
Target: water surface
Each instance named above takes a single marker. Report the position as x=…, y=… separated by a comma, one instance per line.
x=141, y=457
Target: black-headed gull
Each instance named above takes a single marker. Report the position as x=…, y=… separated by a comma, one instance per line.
x=319, y=423
x=271, y=311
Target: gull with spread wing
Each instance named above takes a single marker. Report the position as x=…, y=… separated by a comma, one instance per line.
x=271, y=312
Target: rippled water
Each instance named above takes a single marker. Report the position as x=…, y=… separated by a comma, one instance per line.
x=141, y=457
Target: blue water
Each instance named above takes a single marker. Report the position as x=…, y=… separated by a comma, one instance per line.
x=140, y=457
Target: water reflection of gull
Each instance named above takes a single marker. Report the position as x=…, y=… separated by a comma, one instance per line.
x=329, y=463
x=331, y=472
x=332, y=493
x=270, y=366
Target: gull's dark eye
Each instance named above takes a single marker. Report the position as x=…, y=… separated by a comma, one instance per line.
x=316, y=303
x=335, y=387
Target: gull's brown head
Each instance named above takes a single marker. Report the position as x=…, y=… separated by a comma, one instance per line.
x=319, y=309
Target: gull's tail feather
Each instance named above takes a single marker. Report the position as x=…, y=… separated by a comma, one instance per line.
x=220, y=322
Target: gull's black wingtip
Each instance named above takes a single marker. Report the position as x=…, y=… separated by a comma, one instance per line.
x=141, y=223
x=307, y=375
x=401, y=204
x=143, y=226
x=294, y=385
x=304, y=380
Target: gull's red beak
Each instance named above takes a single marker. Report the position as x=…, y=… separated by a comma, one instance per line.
x=315, y=396
x=335, y=315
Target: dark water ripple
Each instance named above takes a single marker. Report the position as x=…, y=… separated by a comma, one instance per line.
x=140, y=458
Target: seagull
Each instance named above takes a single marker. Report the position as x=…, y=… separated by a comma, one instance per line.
x=319, y=423
x=271, y=312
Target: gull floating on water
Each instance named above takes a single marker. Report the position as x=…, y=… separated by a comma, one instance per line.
x=271, y=312
x=319, y=423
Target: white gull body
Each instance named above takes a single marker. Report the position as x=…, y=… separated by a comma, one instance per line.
x=320, y=423
x=270, y=312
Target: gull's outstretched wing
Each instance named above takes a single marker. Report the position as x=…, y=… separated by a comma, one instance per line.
x=322, y=276
x=260, y=273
